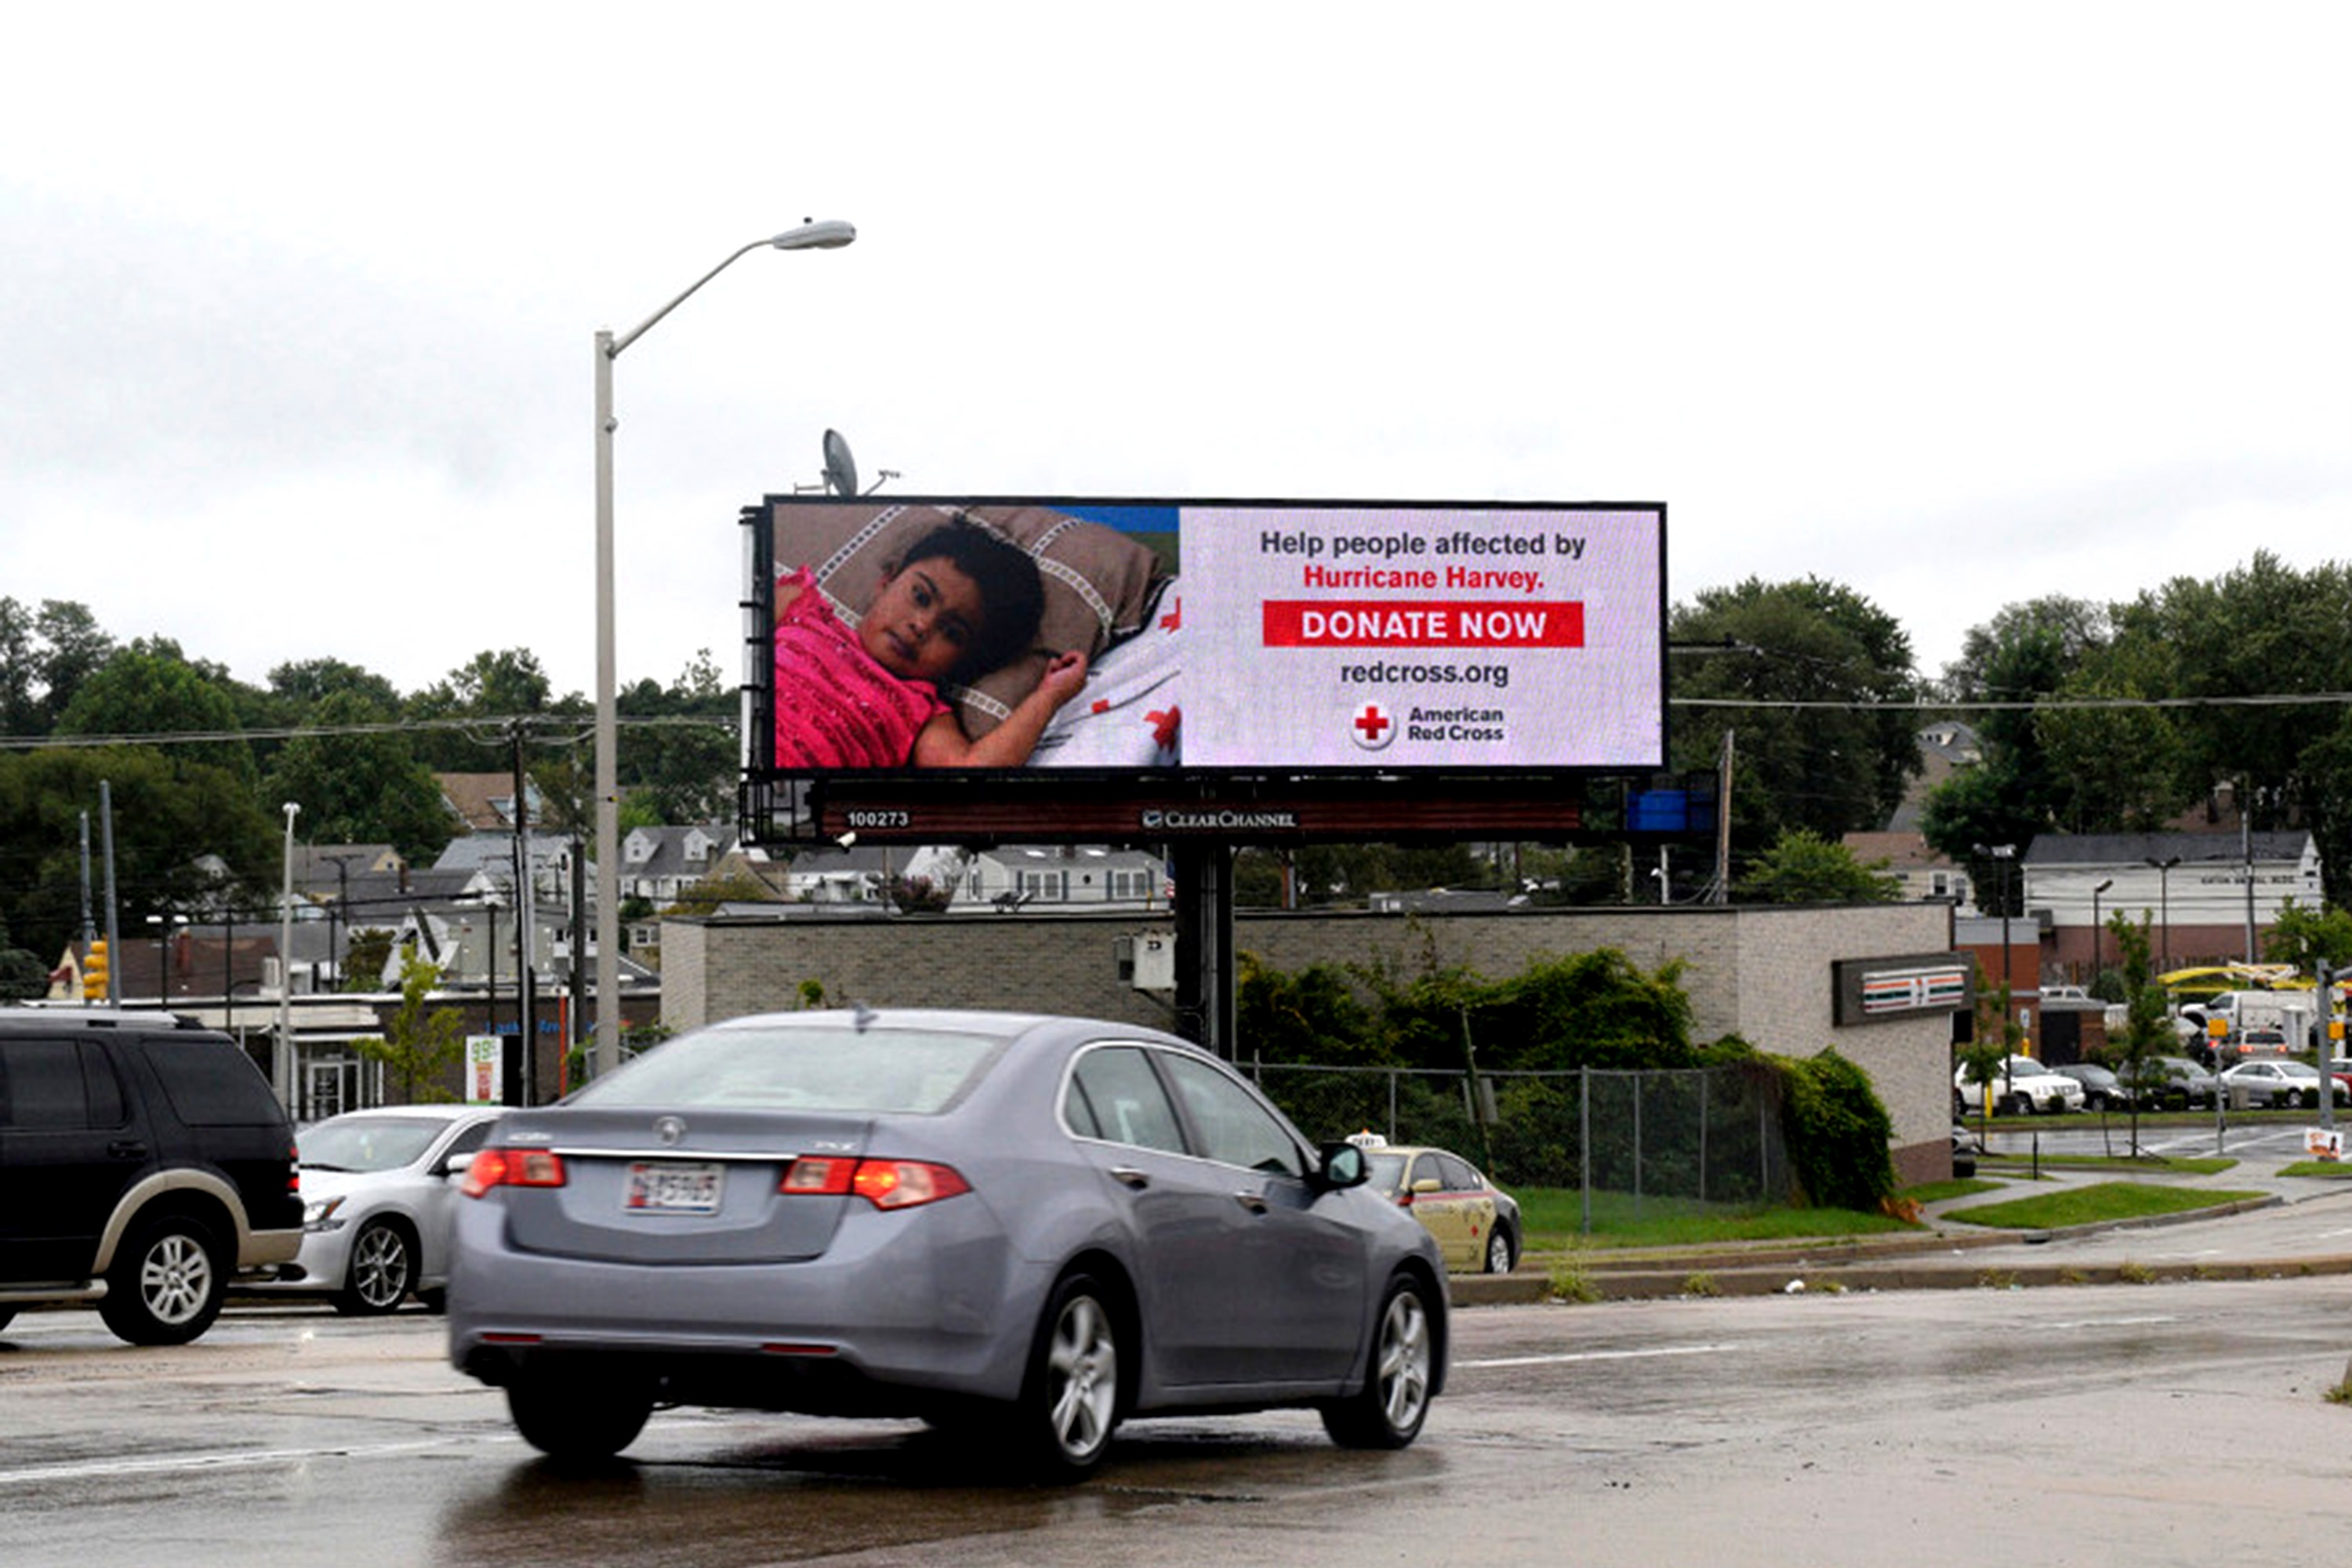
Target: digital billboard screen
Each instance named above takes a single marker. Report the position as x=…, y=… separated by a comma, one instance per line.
x=1185, y=639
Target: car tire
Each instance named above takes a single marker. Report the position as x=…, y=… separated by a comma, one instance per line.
x=1069, y=1402
x=1387, y=1413
x=1501, y=1251
x=166, y=1284
x=382, y=1265
x=590, y=1415
x=2017, y=1105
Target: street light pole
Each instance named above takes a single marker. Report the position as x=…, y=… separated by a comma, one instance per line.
x=2164, y=901
x=285, y=1059
x=2096, y=953
x=828, y=235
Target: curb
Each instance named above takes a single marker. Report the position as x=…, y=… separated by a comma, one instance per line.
x=1528, y=1287
x=1888, y=1263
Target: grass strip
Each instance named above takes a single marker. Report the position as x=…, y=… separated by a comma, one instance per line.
x=2099, y=1202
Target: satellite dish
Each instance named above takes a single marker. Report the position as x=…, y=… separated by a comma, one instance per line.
x=840, y=467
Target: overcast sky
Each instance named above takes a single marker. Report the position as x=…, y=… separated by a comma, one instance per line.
x=1958, y=306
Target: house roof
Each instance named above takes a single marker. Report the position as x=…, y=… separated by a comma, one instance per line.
x=486, y=800
x=1901, y=851
x=2051, y=849
x=493, y=852
x=666, y=850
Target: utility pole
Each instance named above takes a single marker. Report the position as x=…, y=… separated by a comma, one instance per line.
x=526, y=969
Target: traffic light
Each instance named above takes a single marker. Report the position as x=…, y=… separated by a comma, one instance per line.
x=93, y=971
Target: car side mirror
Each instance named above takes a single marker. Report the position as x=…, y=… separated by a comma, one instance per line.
x=1341, y=1165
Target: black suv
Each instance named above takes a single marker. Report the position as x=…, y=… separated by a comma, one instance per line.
x=143, y=1162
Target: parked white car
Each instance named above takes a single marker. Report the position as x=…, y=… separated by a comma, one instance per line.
x=376, y=1200
x=2020, y=1085
x=2278, y=1083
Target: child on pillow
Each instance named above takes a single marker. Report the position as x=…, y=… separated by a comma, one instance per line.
x=960, y=600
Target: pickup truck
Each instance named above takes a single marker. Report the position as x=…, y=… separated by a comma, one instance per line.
x=2019, y=1086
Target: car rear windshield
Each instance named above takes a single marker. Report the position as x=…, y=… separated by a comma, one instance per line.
x=367, y=1142
x=874, y=1071
x=211, y=1083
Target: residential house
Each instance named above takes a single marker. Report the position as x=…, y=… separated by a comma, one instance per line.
x=484, y=802
x=1925, y=874
x=2209, y=896
x=658, y=864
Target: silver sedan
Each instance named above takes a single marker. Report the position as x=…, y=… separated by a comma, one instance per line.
x=1031, y=1226
x=376, y=1203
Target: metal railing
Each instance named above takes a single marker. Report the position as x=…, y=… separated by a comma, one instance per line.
x=1703, y=1137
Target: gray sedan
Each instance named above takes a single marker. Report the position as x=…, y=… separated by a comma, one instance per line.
x=1027, y=1226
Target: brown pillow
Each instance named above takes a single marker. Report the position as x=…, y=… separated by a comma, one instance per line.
x=1099, y=583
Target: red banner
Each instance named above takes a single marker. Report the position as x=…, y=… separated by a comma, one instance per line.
x=1385, y=622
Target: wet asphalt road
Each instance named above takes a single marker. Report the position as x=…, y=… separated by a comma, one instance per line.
x=2042, y=1426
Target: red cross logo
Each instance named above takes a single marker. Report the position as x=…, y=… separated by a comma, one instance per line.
x=1372, y=729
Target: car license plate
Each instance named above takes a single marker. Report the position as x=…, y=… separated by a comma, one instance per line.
x=674, y=1186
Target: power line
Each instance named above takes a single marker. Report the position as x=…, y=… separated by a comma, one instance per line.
x=213, y=737
x=2019, y=705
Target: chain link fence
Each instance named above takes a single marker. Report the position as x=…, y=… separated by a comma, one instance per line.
x=1698, y=1137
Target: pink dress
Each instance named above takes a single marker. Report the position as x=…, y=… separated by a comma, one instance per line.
x=835, y=707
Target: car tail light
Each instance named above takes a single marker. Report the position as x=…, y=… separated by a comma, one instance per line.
x=294, y=1170
x=512, y=1168
x=885, y=1183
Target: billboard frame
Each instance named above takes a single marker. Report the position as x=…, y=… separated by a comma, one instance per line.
x=1157, y=805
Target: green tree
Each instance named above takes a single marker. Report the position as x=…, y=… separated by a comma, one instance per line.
x=152, y=690
x=2112, y=769
x=2264, y=629
x=677, y=749
x=365, y=953
x=703, y=896
x=2025, y=655
x=67, y=646
x=2147, y=1025
x=2305, y=937
x=491, y=688
x=421, y=1042
x=361, y=786
x=165, y=818
x=1810, y=678
x=24, y=977
x=1804, y=868
x=301, y=685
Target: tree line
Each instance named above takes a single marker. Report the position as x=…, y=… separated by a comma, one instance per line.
x=2090, y=717
x=198, y=823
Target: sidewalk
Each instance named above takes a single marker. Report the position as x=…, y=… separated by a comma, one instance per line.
x=2230, y=1241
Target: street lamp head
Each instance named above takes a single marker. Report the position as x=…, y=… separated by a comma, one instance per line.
x=818, y=234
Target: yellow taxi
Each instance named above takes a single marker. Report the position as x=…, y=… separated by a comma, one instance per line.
x=1476, y=1224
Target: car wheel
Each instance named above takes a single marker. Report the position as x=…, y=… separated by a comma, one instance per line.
x=2017, y=1105
x=1388, y=1411
x=166, y=1285
x=382, y=1264
x=568, y=1421
x=1500, y=1253
x=1069, y=1402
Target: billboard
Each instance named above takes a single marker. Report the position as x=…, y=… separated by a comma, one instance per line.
x=1197, y=641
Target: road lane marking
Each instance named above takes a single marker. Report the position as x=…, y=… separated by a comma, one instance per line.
x=227, y=1460
x=1565, y=1357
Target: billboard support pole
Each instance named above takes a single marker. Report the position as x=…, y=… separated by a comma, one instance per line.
x=1205, y=944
